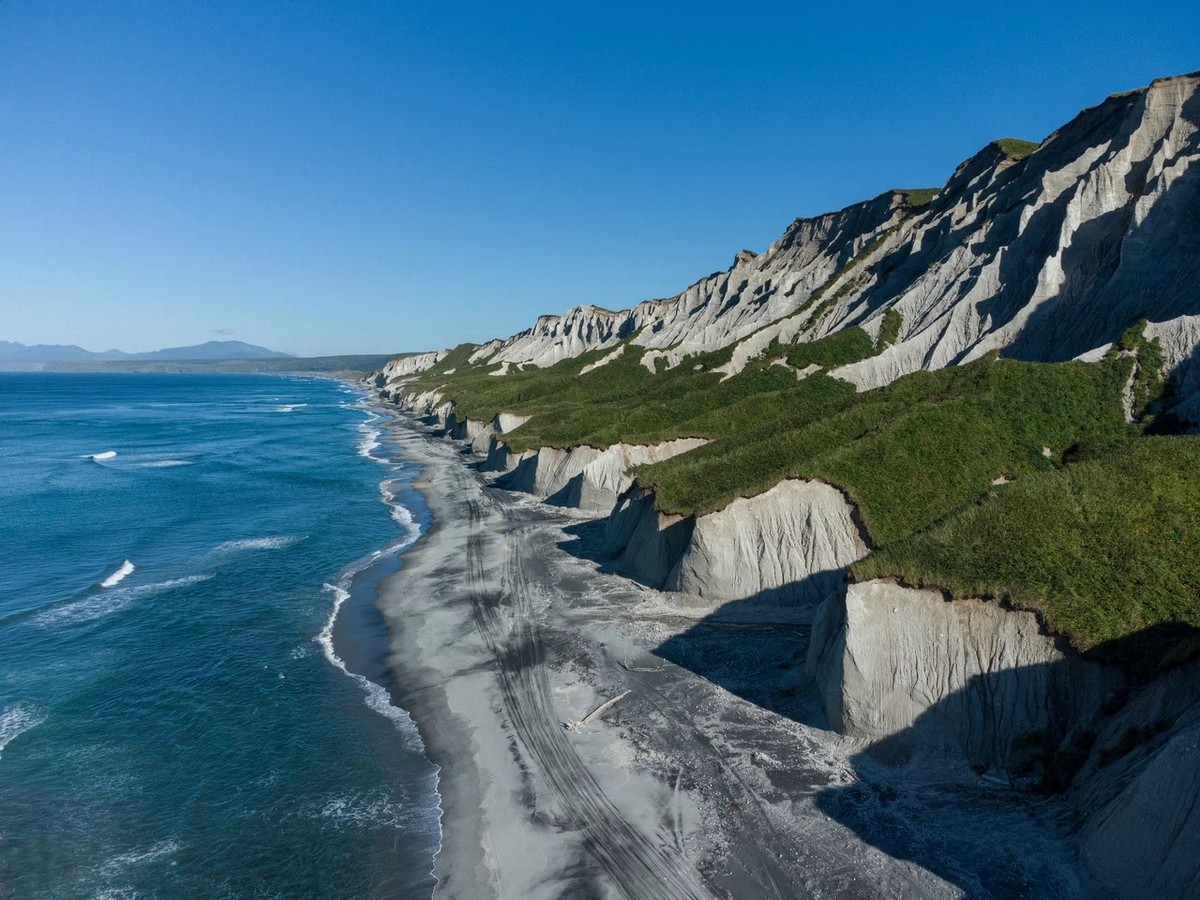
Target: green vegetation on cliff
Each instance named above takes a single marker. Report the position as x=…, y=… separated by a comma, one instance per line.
x=1006, y=479
x=622, y=401
x=1015, y=148
x=1103, y=549
x=914, y=451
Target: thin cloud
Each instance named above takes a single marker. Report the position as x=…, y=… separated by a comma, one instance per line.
x=225, y=331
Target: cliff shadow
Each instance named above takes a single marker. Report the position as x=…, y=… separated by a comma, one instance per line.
x=757, y=647
x=996, y=818
x=646, y=554
x=912, y=796
x=933, y=794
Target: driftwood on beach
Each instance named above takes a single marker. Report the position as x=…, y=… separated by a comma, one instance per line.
x=596, y=713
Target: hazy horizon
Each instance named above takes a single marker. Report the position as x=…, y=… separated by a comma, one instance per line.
x=322, y=180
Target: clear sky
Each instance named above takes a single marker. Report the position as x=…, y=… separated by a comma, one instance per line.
x=351, y=176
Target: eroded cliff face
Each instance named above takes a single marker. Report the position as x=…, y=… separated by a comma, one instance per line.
x=964, y=679
x=1139, y=794
x=788, y=547
x=585, y=477
x=783, y=551
x=1051, y=256
x=921, y=678
x=1046, y=257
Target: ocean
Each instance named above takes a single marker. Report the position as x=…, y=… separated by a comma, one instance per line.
x=193, y=697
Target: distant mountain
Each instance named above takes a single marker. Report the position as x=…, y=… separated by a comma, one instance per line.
x=13, y=353
x=214, y=350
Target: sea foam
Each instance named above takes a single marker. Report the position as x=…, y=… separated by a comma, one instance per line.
x=369, y=443
x=276, y=542
x=97, y=606
x=401, y=515
x=18, y=719
x=375, y=696
x=115, y=865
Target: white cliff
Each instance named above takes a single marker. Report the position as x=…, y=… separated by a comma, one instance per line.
x=1043, y=258
x=965, y=679
x=787, y=547
x=783, y=551
x=585, y=477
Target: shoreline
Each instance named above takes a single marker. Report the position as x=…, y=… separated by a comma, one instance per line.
x=524, y=814
x=714, y=776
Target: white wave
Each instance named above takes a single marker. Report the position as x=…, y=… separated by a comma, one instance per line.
x=98, y=606
x=277, y=542
x=364, y=810
x=289, y=407
x=401, y=514
x=100, y=457
x=165, y=463
x=18, y=719
x=370, y=442
x=140, y=857
x=376, y=696
x=125, y=570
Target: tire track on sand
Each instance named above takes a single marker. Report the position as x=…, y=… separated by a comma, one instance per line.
x=639, y=867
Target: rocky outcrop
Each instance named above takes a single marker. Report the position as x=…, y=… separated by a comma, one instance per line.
x=586, y=477
x=789, y=547
x=474, y=432
x=970, y=681
x=403, y=366
x=1048, y=257
x=963, y=679
x=783, y=551
x=1179, y=340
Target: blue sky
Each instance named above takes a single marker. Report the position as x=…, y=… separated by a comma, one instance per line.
x=346, y=177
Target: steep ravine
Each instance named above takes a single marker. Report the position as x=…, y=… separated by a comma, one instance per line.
x=966, y=685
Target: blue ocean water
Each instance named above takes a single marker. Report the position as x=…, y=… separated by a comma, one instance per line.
x=176, y=717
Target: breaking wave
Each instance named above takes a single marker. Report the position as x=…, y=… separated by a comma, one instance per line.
x=375, y=696
x=125, y=570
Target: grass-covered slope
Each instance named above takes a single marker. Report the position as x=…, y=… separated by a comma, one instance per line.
x=1103, y=548
x=1021, y=481
x=624, y=401
x=1016, y=148
x=912, y=452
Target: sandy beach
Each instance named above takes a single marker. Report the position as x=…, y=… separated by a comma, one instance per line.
x=712, y=777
